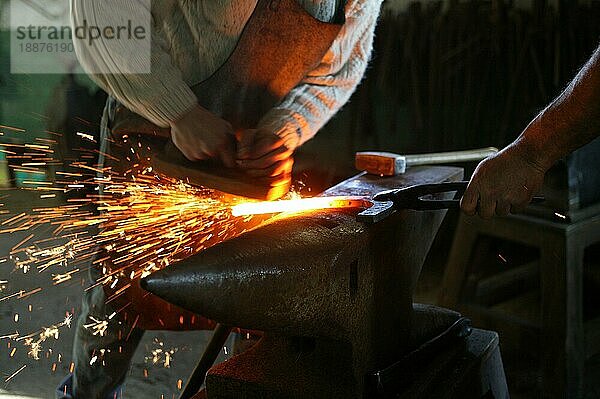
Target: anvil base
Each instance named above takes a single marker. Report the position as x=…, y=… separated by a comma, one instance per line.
x=472, y=369
x=284, y=367
x=272, y=369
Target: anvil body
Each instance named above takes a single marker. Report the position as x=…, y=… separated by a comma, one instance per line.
x=333, y=295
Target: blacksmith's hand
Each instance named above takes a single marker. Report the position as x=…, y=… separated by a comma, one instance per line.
x=503, y=183
x=264, y=155
x=200, y=135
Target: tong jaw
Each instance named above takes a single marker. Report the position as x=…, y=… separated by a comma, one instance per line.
x=387, y=202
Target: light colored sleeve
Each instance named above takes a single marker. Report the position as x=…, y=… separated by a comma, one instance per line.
x=308, y=106
x=161, y=95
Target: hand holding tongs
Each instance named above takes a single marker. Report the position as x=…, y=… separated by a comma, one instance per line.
x=387, y=202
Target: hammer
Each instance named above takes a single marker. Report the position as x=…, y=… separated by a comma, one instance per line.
x=390, y=164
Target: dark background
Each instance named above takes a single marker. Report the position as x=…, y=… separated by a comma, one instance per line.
x=445, y=75
x=458, y=75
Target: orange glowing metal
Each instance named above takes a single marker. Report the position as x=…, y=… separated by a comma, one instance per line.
x=298, y=205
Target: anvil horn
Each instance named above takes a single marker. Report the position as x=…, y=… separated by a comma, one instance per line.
x=285, y=276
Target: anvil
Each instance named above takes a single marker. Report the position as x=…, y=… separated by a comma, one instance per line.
x=332, y=294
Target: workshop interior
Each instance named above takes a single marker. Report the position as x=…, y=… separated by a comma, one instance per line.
x=132, y=269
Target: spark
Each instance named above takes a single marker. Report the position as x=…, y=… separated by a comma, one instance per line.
x=23, y=295
x=86, y=136
x=10, y=377
x=148, y=222
x=50, y=332
x=16, y=294
x=161, y=355
x=138, y=223
x=137, y=318
x=14, y=129
x=35, y=348
x=68, y=320
x=14, y=248
x=61, y=278
x=34, y=340
x=560, y=215
x=38, y=147
x=98, y=327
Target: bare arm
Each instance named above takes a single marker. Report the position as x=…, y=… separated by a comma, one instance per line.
x=571, y=120
x=506, y=182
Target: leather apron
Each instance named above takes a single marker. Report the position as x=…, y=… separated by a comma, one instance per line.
x=279, y=45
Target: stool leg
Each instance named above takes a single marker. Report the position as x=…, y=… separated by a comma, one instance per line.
x=458, y=263
x=562, y=335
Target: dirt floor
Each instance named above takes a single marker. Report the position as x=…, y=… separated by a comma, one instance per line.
x=39, y=378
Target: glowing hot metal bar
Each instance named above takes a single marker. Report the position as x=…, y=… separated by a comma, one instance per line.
x=299, y=205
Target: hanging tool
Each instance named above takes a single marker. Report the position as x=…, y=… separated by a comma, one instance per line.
x=390, y=164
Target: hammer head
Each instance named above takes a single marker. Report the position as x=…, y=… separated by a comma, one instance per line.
x=381, y=163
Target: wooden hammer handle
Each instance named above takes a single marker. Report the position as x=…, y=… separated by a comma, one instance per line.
x=390, y=164
x=450, y=157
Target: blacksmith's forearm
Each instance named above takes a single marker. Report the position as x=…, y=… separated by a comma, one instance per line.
x=570, y=121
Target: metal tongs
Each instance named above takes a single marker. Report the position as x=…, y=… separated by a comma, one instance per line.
x=387, y=202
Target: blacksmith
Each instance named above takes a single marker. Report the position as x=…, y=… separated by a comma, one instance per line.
x=245, y=82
